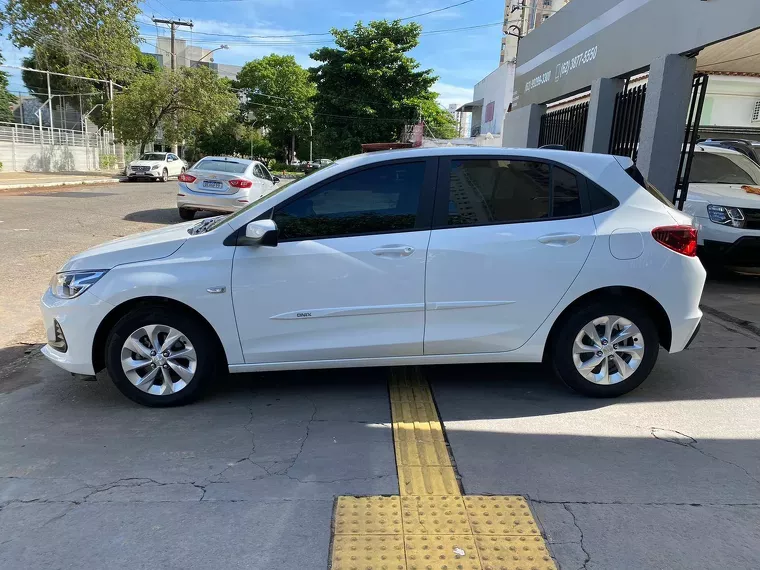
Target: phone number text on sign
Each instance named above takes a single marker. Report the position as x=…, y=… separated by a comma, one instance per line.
x=571, y=64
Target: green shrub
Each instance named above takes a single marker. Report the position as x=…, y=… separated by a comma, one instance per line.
x=108, y=161
x=275, y=166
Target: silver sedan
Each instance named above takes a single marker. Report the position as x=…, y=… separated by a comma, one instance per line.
x=222, y=184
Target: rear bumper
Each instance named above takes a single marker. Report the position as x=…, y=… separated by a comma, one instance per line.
x=744, y=252
x=187, y=198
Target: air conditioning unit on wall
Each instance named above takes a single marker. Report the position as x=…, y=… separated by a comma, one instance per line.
x=756, y=113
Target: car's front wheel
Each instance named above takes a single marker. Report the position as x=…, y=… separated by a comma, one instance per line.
x=159, y=357
x=186, y=213
x=165, y=175
x=605, y=349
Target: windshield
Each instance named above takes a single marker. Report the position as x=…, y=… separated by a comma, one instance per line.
x=217, y=165
x=723, y=168
x=153, y=156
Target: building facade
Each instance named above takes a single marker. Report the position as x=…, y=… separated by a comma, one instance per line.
x=522, y=17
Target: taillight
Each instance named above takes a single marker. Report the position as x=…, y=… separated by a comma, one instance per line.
x=681, y=239
x=240, y=183
x=185, y=177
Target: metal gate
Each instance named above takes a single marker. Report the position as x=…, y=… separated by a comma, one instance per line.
x=566, y=127
x=626, y=122
x=698, y=92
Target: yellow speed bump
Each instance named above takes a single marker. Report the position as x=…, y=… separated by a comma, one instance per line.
x=431, y=526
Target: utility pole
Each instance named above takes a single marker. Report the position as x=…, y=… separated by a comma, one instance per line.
x=173, y=24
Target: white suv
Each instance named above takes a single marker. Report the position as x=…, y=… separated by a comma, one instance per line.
x=427, y=256
x=724, y=198
x=156, y=166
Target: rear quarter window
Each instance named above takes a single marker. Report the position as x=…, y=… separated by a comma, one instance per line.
x=636, y=174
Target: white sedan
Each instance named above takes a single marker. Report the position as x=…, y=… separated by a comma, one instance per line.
x=222, y=184
x=426, y=256
x=156, y=166
x=724, y=198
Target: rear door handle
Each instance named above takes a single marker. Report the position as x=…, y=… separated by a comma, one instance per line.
x=393, y=251
x=559, y=240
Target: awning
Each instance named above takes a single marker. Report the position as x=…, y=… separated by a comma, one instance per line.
x=469, y=107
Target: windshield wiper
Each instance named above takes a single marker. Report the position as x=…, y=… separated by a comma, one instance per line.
x=203, y=226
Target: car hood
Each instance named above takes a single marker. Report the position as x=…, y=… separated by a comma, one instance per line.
x=131, y=249
x=724, y=195
x=145, y=162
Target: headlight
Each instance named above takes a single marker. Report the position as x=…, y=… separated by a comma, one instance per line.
x=155, y=167
x=726, y=216
x=70, y=284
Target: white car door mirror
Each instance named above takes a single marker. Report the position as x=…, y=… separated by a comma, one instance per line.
x=261, y=232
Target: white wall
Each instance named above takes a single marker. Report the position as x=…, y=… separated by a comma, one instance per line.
x=495, y=88
x=20, y=157
x=730, y=101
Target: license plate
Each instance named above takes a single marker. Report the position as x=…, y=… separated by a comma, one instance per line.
x=212, y=184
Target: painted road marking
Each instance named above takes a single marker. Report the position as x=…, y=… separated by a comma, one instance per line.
x=431, y=526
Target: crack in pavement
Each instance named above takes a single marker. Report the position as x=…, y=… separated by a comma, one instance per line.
x=584, y=566
x=684, y=440
x=303, y=441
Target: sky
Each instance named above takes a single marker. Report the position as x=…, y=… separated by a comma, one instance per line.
x=459, y=58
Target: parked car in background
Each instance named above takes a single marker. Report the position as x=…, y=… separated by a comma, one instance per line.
x=425, y=256
x=724, y=198
x=156, y=166
x=222, y=184
x=748, y=148
x=312, y=165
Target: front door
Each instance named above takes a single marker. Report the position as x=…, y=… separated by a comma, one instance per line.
x=347, y=278
x=509, y=238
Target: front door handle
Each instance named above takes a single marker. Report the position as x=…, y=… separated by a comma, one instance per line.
x=559, y=240
x=393, y=251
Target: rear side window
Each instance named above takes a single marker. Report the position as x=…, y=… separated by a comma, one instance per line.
x=505, y=191
x=636, y=174
x=382, y=199
x=228, y=166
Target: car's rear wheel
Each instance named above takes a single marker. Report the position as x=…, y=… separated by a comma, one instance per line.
x=605, y=349
x=158, y=357
x=186, y=213
x=165, y=175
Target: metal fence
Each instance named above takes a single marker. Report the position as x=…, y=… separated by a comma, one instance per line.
x=45, y=149
x=626, y=122
x=566, y=127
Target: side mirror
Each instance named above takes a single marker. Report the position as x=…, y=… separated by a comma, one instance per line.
x=261, y=232
x=275, y=179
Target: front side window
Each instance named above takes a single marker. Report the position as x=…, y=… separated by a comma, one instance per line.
x=265, y=173
x=376, y=200
x=503, y=191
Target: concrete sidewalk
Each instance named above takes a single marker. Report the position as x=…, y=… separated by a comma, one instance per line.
x=16, y=180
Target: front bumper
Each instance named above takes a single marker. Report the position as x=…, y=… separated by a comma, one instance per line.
x=79, y=319
x=744, y=252
x=152, y=174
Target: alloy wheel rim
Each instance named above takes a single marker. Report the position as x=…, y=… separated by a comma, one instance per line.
x=158, y=360
x=608, y=350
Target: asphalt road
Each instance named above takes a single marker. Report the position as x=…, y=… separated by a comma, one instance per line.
x=666, y=477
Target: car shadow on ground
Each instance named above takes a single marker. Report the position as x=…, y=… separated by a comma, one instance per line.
x=162, y=216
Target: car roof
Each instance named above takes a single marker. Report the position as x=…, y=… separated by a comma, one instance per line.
x=584, y=162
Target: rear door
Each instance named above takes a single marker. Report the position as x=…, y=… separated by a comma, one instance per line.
x=509, y=237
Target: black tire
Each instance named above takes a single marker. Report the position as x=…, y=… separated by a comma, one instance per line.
x=186, y=213
x=182, y=170
x=561, y=351
x=202, y=340
x=165, y=175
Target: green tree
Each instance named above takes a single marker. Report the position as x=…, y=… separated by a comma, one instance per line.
x=6, y=99
x=368, y=89
x=179, y=103
x=278, y=97
x=438, y=121
x=231, y=137
x=92, y=38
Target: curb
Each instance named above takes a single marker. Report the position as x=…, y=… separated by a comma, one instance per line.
x=65, y=183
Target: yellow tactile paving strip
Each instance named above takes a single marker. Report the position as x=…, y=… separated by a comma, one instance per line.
x=431, y=526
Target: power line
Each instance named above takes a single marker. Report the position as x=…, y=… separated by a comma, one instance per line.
x=438, y=10
x=728, y=60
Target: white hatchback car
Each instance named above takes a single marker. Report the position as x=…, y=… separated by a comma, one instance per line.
x=222, y=184
x=724, y=198
x=428, y=256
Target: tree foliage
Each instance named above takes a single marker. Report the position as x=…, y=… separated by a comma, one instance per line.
x=230, y=138
x=6, y=98
x=278, y=97
x=92, y=38
x=369, y=76
x=179, y=103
